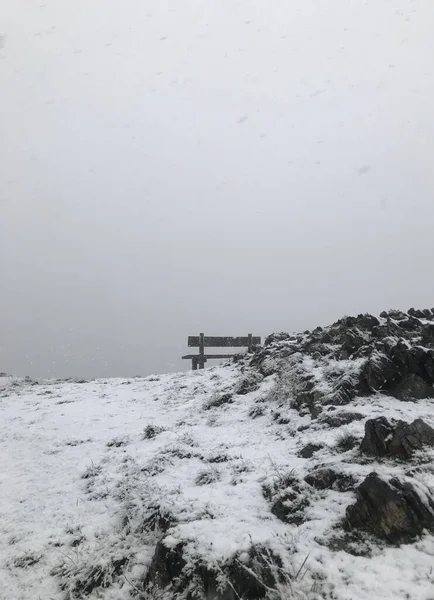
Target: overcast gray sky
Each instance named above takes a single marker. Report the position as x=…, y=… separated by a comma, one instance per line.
x=207, y=165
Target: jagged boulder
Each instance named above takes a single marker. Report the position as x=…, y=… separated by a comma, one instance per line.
x=392, y=511
x=428, y=334
x=402, y=370
x=410, y=324
x=378, y=372
x=408, y=438
x=419, y=314
x=346, y=388
x=412, y=387
x=389, y=329
x=394, y=356
x=377, y=433
x=390, y=438
x=367, y=322
x=352, y=341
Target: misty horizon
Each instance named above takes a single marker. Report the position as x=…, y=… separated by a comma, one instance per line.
x=222, y=167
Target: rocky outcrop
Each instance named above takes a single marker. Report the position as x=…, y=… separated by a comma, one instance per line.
x=395, y=438
x=377, y=434
x=393, y=355
x=393, y=511
x=251, y=575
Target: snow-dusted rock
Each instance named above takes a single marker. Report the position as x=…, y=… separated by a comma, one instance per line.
x=393, y=510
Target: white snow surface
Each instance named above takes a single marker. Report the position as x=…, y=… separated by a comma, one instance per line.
x=76, y=466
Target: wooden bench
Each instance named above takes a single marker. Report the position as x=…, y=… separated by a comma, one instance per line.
x=201, y=341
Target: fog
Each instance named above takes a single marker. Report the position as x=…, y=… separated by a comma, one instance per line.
x=168, y=168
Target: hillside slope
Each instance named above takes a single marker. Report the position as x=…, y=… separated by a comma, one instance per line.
x=303, y=470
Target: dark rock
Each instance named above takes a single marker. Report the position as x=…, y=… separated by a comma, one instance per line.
x=427, y=313
x=167, y=564
x=422, y=363
x=377, y=432
x=348, y=321
x=404, y=371
x=327, y=479
x=344, y=483
x=428, y=333
x=318, y=348
x=416, y=313
x=412, y=387
x=384, y=438
x=250, y=576
x=309, y=450
x=392, y=511
x=383, y=331
x=341, y=418
x=396, y=315
x=346, y=389
x=408, y=438
x=352, y=340
x=410, y=324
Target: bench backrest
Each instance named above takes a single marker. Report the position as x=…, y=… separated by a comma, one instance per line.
x=194, y=341
x=202, y=341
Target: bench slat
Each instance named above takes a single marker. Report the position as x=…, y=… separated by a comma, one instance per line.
x=222, y=342
x=190, y=356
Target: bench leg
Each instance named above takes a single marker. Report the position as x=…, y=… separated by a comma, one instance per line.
x=194, y=364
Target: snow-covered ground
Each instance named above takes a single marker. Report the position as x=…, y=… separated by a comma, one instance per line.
x=80, y=461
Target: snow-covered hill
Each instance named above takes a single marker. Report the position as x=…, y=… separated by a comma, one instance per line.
x=248, y=480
